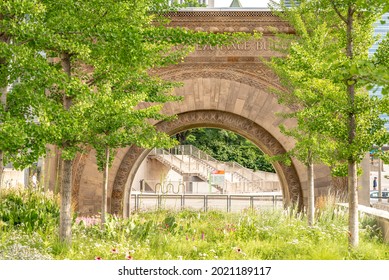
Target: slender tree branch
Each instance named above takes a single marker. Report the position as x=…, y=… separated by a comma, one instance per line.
x=338, y=12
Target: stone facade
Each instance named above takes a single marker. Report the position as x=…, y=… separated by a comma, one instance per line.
x=223, y=87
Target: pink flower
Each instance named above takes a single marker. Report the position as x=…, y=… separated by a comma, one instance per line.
x=128, y=257
x=98, y=258
x=114, y=251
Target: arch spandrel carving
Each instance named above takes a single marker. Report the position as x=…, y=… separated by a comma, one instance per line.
x=256, y=75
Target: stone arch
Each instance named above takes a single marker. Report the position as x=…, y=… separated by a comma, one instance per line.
x=244, y=108
x=226, y=87
x=208, y=118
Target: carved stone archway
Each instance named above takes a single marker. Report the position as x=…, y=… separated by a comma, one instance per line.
x=223, y=87
x=211, y=118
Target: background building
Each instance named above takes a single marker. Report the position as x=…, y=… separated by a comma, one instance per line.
x=381, y=29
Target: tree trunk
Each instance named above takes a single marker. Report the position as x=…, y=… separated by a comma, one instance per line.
x=3, y=94
x=311, y=191
x=65, y=224
x=353, y=204
x=59, y=172
x=352, y=163
x=3, y=102
x=65, y=233
x=1, y=168
x=105, y=187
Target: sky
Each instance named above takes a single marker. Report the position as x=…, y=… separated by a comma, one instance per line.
x=245, y=3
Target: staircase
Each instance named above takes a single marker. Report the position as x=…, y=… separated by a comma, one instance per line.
x=190, y=161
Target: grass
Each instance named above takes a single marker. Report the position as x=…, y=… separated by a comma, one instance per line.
x=187, y=235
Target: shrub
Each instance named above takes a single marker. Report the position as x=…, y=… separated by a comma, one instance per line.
x=28, y=209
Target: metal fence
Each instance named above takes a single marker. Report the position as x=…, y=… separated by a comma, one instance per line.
x=205, y=202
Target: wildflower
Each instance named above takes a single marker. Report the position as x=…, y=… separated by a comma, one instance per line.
x=98, y=258
x=202, y=236
x=128, y=257
x=180, y=258
x=114, y=251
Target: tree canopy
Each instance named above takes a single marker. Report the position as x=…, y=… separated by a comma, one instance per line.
x=225, y=145
x=81, y=77
x=327, y=71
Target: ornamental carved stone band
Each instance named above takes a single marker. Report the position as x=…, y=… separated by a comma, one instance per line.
x=254, y=74
x=229, y=21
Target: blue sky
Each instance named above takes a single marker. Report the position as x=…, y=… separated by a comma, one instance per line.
x=245, y=3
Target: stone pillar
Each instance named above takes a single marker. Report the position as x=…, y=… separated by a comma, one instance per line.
x=364, y=182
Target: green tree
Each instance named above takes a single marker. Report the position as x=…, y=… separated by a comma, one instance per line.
x=381, y=59
x=98, y=45
x=346, y=113
x=77, y=49
x=304, y=92
x=115, y=122
x=22, y=134
x=226, y=146
x=380, y=56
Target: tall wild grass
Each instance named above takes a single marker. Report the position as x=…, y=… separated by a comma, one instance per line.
x=29, y=229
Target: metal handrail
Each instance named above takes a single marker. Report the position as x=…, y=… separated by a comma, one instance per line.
x=205, y=197
x=238, y=169
x=160, y=186
x=189, y=159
